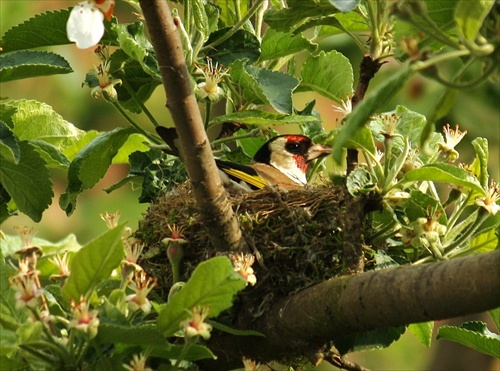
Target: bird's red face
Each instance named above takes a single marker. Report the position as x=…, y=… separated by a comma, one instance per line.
x=291, y=155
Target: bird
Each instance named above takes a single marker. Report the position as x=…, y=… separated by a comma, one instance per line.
x=281, y=162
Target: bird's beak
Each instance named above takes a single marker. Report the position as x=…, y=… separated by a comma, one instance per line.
x=318, y=150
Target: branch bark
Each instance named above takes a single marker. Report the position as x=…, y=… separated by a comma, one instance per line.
x=215, y=208
x=333, y=310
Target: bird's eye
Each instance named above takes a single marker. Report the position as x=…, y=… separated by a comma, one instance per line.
x=294, y=147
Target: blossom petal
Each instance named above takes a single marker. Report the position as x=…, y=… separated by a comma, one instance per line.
x=85, y=25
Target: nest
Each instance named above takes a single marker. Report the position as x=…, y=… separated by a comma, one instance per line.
x=296, y=236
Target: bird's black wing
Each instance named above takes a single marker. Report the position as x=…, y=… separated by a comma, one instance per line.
x=238, y=173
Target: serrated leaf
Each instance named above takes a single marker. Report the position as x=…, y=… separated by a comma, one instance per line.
x=329, y=74
x=362, y=139
x=35, y=120
x=423, y=332
x=9, y=146
x=277, y=44
x=254, y=117
x=473, y=334
x=91, y=163
x=44, y=29
x=470, y=15
x=31, y=63
x=213, y=283
x=28, y=182
x=94, y=263
x=200, y=18
x=419, y=204
x=242, y=44
x=51, y=154
x=444, y=173
x=481, y=148
x=136, y=45
x=358, y=118
x=47, y=29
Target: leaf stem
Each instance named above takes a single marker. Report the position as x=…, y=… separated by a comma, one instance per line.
x=134, y=124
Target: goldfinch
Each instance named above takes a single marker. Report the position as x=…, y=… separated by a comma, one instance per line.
x=281, y=162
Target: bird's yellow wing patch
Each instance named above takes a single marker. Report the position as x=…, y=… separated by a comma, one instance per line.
x=253, y=180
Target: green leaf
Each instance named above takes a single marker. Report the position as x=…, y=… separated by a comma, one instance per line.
x=31, y=63
x=261, y=85
x=276, y=86
x=419, y=204
x=423, y=332
x=298, y=12
x=233, y=331
x=483, y=243
x=135, y=77
x=376, y=339
x=44, y=29
x=336, y=24
x=474, y=335
x=93, y=263
x=470, y=15
x=28, y=182
x=329, y=74
x=444, y=173
x=495, y=316
x=481, y=148
x=362, y=139
x=90, y=165
x=200, y=18
x=242, y=44
x=254, y=117
x=195, y=352
x=51, y=154
x=9, y=315
x=277, y=44
x=360, y=181
x=35, y=120
x=9, y=146
x=136, y=45
x=213, y=283
x=138, y=335
x=358, y=118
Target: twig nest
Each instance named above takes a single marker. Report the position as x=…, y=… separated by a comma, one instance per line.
x=296, y=236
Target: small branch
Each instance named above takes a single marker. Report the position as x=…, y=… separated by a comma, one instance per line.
x=352, y=252
x=216, y=210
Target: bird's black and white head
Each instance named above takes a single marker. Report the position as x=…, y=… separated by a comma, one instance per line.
x=291, y=155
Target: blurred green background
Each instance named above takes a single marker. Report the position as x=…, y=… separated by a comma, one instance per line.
x=476, y=111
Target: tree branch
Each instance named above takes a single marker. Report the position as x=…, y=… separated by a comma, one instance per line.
x=215, y=208
x=302, y=324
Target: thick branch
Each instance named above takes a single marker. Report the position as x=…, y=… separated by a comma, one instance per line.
x=332, y=310
x=217, y=213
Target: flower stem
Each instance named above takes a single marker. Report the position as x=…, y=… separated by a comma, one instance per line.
x=140, y=103
x=134, y=124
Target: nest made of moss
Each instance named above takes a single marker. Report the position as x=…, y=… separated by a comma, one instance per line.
x=297, y=236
